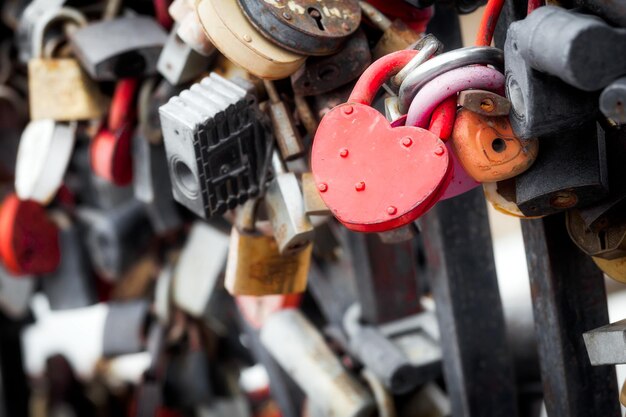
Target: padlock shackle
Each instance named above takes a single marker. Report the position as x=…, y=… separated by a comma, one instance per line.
x=442, y=119
x=122, y=103
x=449, y=84
x=39, y=30
x=376, y=74
x=472, y=55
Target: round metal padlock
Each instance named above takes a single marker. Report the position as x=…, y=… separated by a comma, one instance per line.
x=374, y=177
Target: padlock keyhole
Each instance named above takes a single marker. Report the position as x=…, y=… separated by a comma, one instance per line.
x=602, y=237
x=498, y=145
x=317, y=16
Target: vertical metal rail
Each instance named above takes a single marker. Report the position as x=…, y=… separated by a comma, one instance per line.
x=478, y=365
x=569, y=298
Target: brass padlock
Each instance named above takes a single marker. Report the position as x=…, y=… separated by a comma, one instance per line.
x=608, y=242
x=255, y=266
x=488, y=149
x=59, y=88
x=613, y=268
x=231, y=32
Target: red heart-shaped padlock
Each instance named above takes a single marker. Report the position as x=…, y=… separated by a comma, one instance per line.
x=372, y=176
x=30, y=241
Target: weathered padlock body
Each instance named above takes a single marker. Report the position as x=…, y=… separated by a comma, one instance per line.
x=131, y=48
x=255, y=266
x=607, y=243
x=570, y=172
x=306, y=27
x=62, y=91
x=216, y=145
x=320, y=75
x=231, y=32
x=354, y=136
x=488, y=149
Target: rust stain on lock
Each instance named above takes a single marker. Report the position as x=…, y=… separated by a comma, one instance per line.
x=62, y=91
x=488, y=149
x=255, y=267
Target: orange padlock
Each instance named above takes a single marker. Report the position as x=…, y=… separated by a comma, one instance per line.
x=488, y=149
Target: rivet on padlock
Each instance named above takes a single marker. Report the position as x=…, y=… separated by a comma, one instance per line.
x=30, y=240
x=59, y=88
x=613, y=101
x=230, y=31
x=309, y=28
x=285, y=208
x=365, y=190
x=488, y=149
x=484, y=103
x=43, y=156
x=255, y=266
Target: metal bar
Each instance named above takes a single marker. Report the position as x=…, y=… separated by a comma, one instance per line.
x=569, y=299
x=478, y=365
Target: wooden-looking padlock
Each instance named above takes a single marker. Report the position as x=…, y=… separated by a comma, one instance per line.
x=59, y=88
x=230, y=31
x=255, y=266
x=488, y=148
x=374, y=177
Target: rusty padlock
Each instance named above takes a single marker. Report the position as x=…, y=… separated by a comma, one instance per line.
x=360, y=162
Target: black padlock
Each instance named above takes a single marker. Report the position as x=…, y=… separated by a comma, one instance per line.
x=570, y=172
x=612, y=11
x=541, y=104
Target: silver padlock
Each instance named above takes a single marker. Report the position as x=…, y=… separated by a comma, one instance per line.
x=72, y=284
x=285, y=208
x=179, y=62
x=42, y=159
x=152, y=185
x=124, y=327
x=216, y=144
x=36, y=10
x=197, y=273
x=119, y=48
x=302, y=352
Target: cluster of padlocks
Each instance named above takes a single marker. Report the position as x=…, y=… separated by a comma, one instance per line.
x=192, y=197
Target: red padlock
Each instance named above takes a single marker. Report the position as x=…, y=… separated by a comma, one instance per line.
x=29, y=243
x=110, y=150
x=372, y=176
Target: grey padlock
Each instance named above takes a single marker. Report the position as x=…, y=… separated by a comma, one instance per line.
x=119, y=48
x=606, y=345
x=124, y=327
x=580, y=49
x=401, y=360
x=179, y=62
x=302, y=352
x=541, y=104
x=285, y=208
x=613, y=101
x=199, y=268
x=217, y=146
x=15, y=294
x=152, y=185
x=71, y=285
x=115, y=237
x=35, y=11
